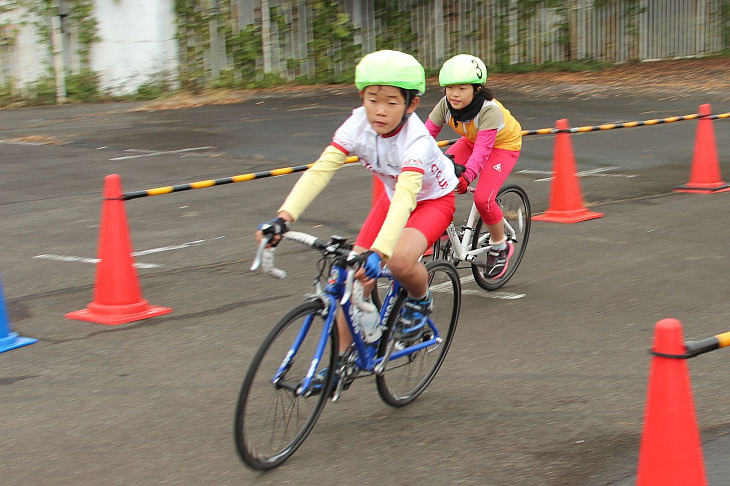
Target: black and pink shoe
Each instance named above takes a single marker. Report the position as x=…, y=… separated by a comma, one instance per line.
x=497, y=261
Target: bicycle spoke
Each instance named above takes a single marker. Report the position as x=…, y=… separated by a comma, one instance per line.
x=272, y=420
x=406, y=377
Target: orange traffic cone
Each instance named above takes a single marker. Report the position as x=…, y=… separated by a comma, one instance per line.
x=566, y=201
x=705, y=173
x=117, y=295
x=671, y=451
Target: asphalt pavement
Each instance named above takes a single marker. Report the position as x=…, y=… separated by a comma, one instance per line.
x=545, y=383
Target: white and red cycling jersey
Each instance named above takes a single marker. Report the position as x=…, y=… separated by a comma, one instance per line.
x=409, y=162
x=410, y=149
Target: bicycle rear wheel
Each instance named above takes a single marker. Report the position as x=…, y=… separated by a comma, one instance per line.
x=272, y=420
x=406, y=377
x=516, y=209
x=440, y=250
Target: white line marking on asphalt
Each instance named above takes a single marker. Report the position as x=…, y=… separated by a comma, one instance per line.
x=312, y=107
x=168, y=248
x=446, y=287
x=161, y=152
x=68, y=258
x=592, y=172
x=493, y=294
x=442, y=287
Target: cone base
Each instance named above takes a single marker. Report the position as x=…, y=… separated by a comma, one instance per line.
x=700, y=188
x=12, y=341
x=111, y=319
x=575, y=216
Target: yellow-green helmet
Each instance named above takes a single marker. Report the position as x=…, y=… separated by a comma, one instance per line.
x=463, y=69
x=390, y=68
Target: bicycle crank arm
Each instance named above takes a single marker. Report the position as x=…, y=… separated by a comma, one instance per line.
x=338, y=390
x=477, y=263
x=379, y=368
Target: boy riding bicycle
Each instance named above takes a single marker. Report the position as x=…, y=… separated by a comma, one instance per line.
x=491, y=140
x=418, y=202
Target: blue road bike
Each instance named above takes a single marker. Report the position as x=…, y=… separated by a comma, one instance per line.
x=297, y=367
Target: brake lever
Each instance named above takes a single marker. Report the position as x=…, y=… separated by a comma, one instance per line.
x=259, y=252
x=265, y=259
x=349, y=281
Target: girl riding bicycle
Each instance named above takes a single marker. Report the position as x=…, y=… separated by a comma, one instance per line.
x=418, y=202
x=491, y=140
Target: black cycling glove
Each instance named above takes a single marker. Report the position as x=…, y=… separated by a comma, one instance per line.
x=277, y=226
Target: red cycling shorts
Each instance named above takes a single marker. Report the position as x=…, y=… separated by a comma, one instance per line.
x=430, y=217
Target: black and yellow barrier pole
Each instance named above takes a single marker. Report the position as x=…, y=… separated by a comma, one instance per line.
x=218, y=182
x=708, y=344
x=301, y=168
x=693, y=348
x=239, y=178
x=630, y=124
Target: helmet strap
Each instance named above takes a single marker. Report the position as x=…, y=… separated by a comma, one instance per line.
x=409, y=100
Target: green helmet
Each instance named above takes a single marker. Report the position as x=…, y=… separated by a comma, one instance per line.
x=463, y=69
x=390, y=68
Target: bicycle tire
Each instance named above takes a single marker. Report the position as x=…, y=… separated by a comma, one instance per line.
x=272, y=421
x=407, y=377
x=516, y=209
x=375, y=295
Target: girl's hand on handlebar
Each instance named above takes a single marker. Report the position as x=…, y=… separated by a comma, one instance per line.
x=458, y=168
x=463, y=185
x=459, y=171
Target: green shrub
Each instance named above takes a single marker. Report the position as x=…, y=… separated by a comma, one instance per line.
x=151, y=90
x=83, y=87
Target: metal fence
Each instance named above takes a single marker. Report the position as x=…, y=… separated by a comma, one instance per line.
x=501, y=31
x=282, y=36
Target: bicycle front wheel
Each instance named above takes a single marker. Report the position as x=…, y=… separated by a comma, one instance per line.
x=272, y=419
x=406, y=377
x=517, y=215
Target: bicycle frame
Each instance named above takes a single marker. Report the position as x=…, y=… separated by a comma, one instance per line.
x=332, y=297
x=283, y=395
x=459, y=247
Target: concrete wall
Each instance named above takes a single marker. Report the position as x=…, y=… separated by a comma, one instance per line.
x=137, y=46
x=137, y=43
x=21, y=59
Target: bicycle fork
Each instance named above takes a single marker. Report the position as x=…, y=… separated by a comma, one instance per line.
x=387, y=307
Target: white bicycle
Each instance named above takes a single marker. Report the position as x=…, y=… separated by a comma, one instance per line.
x=471, y=242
